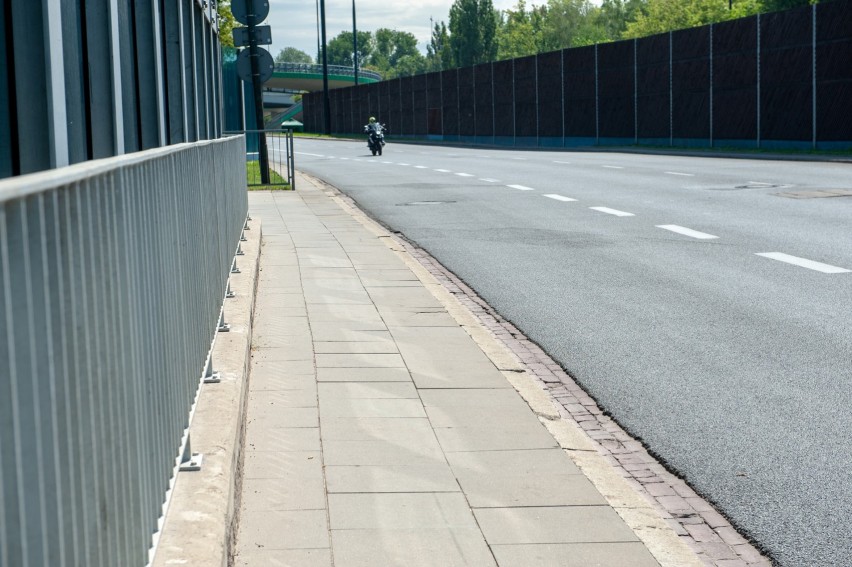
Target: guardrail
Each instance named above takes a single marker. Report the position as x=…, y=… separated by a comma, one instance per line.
x=112, y=278
x=332, y=70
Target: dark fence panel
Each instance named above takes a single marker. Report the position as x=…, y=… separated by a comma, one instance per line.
x=504, y=96
x=484, y=87
x=652, y=88
x=450, y=108
x=834, y=71
x=778, y=80
x=616, y=90
x=526, y=91
x=549, y=96
x=580, y=92
x=467, y=102
x=384, y=102
x=786, y=78
x=735, y=113
x=406, y=98
x=393, y=114
x=691, y=85
x=419, y=85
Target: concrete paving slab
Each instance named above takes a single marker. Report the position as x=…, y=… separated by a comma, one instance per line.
x=350, y=331
x=374, y=282
x=265, y=403
x=282, y=439
x=359, y=361
x=458, y=547
x=446, y=357
x=280, y=322
x=310, y=273
x=380, y=452
x=360, y=316
x=367, y=390
x=290, y=342
x=555, y=524
x=632, y=554
x=524, y=462
x=260, y=494
x=464, y=439
x=292, y=352
x=273, y=382
x=272, y=301
x=284, y=558
x=296, y=466
x=416, y=317
x=495, y=490
x=363, y=375
x=399, y=511
x=403, y=274
x=478, y=416
x=280, y=368
x=287, y=417
x=337, y=297
x=361, y=407
x=471, y=397
x=385, y=478
x=363, y=347
x=403, y=297
x=274, y=529
x=416, y=431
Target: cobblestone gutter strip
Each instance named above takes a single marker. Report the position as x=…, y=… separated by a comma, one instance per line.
x=704, y=529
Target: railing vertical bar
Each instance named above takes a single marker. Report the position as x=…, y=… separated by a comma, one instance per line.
x=8, y=487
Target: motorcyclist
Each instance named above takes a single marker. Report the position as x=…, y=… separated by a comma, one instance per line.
x=374, y=126
x=375, y=135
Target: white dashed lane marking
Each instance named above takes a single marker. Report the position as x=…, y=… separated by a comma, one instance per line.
x=559, y=197
x=307, y=154
x=403, y=164
x=804, y=263
x=444, y=170
x=686, y=231
x=612, y=166
x=563, y=162
x=465, y=175
x=521, y=187
x=678, y=173
x=420, y=167
x=489, y=180
x=615, y=212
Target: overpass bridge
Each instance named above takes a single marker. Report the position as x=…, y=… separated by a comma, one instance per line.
x=308, y=77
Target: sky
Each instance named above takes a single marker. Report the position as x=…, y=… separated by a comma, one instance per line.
x=294, y=22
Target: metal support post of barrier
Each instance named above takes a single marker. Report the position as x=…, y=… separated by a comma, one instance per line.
x=243, y=236
x=189, y=461
x=211, y=376
x=246, y=226
x=234, y=268
x=248, y=217
x=240, y=250
x=229, y=294
x=222, y=326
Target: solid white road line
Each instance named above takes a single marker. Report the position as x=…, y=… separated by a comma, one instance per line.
x=489, y=180
x=615, y=212
x=686, y=231
x=521, y=187
x=802, y=262
x=612, y=166
x=444, y=170
x=559, y=197
x=678, y=173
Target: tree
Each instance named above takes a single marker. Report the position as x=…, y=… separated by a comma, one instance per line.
x=439, y=54
x=227, y=23
x=571, y=23
x=661, y=16
x=340, y=49
x=520, y=31
x=614, y=15
x=775, y=5
x=473, y=31
x=293, y=55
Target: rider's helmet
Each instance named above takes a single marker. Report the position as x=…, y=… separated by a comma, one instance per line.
x=372, y=119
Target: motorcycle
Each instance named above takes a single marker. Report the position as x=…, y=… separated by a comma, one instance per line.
x=375, y=137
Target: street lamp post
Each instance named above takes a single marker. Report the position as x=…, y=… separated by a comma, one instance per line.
x=326, y=103
x=354, y=43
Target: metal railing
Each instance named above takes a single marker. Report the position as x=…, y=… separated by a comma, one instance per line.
x=279, y=150
x=332, y=70
x=112, y=277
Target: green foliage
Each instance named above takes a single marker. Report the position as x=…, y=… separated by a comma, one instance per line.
x=439, y=53
x=340, y=48
x=473, y=31
x=293, y=55
x=775, y=5
x=520, y=31
x=665, y=15
x=227, y=23
x=571, y=23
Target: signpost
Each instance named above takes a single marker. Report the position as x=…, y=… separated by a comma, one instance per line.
x=255, y=64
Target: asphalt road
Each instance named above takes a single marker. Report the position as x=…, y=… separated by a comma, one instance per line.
x=735, y=368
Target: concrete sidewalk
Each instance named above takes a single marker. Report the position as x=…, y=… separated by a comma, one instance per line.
x=386, y=427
